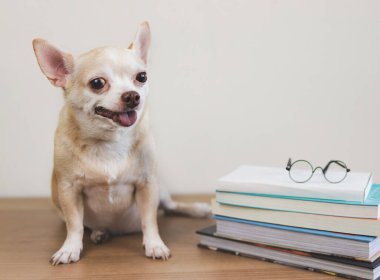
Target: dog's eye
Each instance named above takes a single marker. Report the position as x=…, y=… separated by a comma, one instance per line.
x=141, y=77
x=97, y=83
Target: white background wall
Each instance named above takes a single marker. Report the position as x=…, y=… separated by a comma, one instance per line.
x=231, y=82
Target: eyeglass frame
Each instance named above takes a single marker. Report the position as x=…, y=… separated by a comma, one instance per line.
x=324, y=170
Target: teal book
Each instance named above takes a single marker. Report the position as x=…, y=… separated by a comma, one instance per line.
x=368, y=209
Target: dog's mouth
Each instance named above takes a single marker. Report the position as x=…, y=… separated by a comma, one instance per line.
x=126, y=118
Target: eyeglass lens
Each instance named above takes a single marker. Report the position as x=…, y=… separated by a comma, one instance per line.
x=336, y=172
x=301, y=171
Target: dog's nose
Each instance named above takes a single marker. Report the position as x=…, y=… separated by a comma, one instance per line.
x=131, y=99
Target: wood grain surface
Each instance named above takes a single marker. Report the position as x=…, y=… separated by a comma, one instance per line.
x=31, y=232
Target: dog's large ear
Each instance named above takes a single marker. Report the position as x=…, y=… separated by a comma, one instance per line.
x=142, y=41
x=55, y=64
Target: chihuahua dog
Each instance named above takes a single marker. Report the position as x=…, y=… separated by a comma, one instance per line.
x=104, y=175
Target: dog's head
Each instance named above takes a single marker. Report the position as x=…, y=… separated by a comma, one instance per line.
x=105, y=86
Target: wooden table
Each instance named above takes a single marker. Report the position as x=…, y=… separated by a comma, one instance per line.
x=30, y=232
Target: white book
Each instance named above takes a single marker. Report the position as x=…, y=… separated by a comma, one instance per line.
x=369, y=227
x=276, y=181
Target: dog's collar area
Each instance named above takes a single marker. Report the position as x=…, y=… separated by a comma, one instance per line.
x=127, y=118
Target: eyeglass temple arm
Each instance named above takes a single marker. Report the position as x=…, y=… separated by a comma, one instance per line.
x=289, y=164
x=337, y=162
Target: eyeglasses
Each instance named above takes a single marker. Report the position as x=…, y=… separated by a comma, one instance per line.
x=301, y=171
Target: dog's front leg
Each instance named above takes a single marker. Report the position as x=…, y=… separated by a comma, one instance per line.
x=147, y=198
x=71, y=203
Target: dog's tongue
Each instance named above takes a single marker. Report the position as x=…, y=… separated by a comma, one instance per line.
x=127, y=118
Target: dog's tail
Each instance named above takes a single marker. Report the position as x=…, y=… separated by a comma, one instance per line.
x=192, y=209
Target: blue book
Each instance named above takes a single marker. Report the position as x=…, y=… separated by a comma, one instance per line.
x=303, y=239
x=369, y=209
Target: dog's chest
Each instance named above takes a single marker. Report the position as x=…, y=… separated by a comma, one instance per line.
x=108, y=179
x=109, y=164
x=109, y=175
x=114, y=198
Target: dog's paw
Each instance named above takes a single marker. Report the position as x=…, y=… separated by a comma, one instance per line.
x=157, y=250
x=69, y=252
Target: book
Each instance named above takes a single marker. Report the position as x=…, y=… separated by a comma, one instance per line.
x=309, y=240
x=276, y=181
x=344, y=267
x=368, y=209
x=370, y=227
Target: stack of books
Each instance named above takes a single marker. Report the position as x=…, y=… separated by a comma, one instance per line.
x=333, y=228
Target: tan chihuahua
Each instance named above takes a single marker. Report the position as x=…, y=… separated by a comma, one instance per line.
x=104, y=168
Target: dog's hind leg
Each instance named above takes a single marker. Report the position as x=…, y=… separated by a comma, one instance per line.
x=192, y=209
x=99, y=236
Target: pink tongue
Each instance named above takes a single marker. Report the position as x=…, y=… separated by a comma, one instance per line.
x=124, y=119
x=127, y=118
